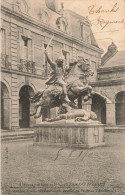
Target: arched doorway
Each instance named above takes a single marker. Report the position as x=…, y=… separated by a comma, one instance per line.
x=25, y=107
x=5, y=107
x=99, y=107
x=120, y=108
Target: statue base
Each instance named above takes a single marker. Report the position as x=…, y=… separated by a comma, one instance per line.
x=67, y=133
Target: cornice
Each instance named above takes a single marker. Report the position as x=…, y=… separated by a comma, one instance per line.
x=111, y=69
x=29, y=20
x=112, y=54
x=108, y=82
x=10, y=71
x=98, y=83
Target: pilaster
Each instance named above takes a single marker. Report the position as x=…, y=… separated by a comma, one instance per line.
x=14, y=103
x=110, y=114
x=6, y=112
x=14, y=46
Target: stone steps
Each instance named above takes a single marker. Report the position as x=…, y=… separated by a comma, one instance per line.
x=115, y=129
x=28, y=134
x=13, y=136
x=19, y=138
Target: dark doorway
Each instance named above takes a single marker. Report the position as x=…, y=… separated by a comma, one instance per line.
x=120, y=108
x=5, y=107
x=25, y=106
x=99, y=107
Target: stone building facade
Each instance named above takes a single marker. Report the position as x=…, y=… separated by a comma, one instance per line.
x=111, y=83
x=26, y=29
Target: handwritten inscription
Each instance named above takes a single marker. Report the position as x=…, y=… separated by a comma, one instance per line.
x=58, y=154
x=104, y=23
x=93, y=10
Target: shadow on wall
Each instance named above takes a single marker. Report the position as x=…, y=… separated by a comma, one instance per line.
x=99, y=107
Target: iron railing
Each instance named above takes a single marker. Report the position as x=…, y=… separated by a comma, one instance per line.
x=5, y=61
x=26, y=66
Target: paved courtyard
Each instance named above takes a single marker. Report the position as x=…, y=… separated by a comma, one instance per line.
x=29, y=169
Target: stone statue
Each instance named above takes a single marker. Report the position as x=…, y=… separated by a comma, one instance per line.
x=57, y=76
x=64, y=87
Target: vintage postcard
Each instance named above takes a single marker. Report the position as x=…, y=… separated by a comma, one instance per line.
x=62, y=97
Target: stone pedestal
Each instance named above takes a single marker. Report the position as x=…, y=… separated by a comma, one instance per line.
x=70, y=134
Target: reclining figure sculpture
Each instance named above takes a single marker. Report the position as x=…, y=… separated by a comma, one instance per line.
x=76, y=114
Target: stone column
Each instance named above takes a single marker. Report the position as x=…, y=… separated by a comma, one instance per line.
x=110, y=114
x=14, y=46
x=14, y=78
x=29, y=50
x=6, y=112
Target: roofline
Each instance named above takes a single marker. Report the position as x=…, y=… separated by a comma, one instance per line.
x=108, y=58
x=74, y=13
x=83, y=19
x=34, y=22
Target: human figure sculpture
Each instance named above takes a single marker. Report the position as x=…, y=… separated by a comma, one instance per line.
x=57, y=76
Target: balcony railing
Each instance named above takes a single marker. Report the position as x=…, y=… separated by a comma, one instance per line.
x=26, y=66
x=5, y=61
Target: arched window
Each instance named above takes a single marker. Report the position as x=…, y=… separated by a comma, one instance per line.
x=5, y=107
x=22, y=6
x=62, y=24
x=46, y=17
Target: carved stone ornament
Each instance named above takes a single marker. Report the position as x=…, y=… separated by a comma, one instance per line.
x=62, y=23
x=21, y=6
x=43, y=15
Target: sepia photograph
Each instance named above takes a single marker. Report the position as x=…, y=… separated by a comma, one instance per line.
x=62, y=97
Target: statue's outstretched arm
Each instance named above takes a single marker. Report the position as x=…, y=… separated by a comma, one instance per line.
x=53, y=65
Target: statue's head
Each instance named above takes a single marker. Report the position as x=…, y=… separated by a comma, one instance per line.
x=60, y=60
x=83, y=64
